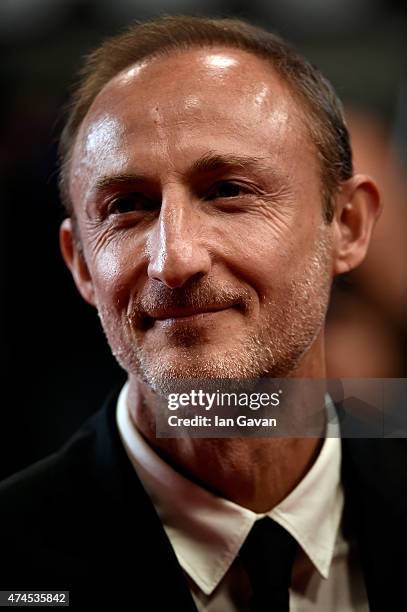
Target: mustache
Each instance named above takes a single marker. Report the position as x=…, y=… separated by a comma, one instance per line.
x=200, y=294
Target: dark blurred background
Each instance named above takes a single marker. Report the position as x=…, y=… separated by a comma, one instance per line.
x=57, y=367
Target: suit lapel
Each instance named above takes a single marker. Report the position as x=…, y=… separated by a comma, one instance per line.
x=151, y=565
x=374, y=473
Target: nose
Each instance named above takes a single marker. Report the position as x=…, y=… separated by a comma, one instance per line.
x=176, y=246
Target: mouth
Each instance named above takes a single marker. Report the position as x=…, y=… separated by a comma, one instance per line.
x=179, y=316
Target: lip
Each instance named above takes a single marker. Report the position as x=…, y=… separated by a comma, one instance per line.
x=184, y=315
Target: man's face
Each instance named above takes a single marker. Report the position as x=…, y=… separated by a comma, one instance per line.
x=197, y=193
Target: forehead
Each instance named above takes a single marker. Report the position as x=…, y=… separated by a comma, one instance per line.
x=184, y=103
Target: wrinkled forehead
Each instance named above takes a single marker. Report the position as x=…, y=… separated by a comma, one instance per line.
x=185, y=98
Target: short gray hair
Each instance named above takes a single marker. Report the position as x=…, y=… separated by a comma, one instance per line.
x=163, y=35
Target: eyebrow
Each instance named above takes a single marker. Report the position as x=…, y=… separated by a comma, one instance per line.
x=106, y=182
x=208, y=163
x=211, y=162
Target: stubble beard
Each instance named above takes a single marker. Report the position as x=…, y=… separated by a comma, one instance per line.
x=273, y=349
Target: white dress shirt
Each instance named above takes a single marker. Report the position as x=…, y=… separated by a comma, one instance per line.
x=207, y=531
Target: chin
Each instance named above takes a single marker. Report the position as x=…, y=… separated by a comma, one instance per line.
x=198, y=370
x=248, y=358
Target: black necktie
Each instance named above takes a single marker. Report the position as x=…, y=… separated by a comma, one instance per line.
x=268, y=555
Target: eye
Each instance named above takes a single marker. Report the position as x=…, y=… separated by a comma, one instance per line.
x=226, y=189
x=132, y=202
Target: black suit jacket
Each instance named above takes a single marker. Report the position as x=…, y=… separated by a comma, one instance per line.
x=81, y=521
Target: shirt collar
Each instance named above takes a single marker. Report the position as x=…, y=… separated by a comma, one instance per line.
x=207, y=531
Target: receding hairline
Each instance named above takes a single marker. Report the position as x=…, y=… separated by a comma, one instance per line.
x=171, y=52
x=167, y=35
x=197, y=46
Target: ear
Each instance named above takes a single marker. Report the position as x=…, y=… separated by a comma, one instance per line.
x=356, y=212
x=75, y=260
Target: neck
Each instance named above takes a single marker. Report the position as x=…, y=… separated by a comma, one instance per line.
x=257, y=473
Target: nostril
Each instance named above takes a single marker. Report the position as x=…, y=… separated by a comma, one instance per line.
x=175, y=262
x=146, y=323
x=178, y=278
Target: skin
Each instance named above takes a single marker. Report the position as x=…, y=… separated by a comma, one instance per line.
x=204, y=248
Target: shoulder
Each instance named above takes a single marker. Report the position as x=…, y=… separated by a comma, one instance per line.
x=70, y=469
x=369, y=458
x=69, y=520
x=374, y=472
x=374, y=475
x=29, y=496
x=52, y=514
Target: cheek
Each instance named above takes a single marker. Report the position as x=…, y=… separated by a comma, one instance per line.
x=270, y=255
x=114, y=272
